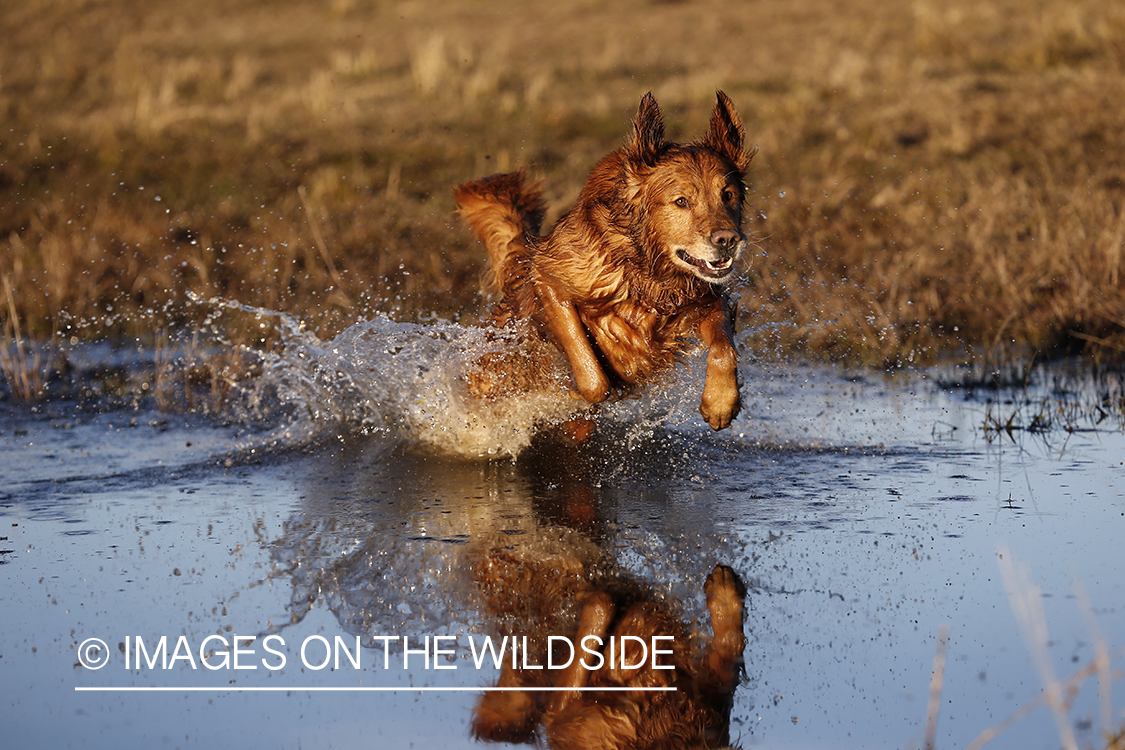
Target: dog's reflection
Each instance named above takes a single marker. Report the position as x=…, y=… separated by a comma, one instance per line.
x=630, y=673
x=541, y=548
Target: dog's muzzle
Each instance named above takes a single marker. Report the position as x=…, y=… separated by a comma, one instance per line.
x=714, y=261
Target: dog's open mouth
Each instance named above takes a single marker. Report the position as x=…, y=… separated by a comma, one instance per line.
x=706, y=268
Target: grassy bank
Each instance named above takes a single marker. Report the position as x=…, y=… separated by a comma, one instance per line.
x=932, y=176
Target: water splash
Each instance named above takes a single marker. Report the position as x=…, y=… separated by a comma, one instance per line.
x=414, y=383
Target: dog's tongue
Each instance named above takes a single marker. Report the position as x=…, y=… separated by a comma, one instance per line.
x=718, y=268
x=715, y=270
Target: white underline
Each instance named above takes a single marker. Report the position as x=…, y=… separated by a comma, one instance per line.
x=232, y=689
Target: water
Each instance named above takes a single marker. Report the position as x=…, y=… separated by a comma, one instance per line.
x=353, y=489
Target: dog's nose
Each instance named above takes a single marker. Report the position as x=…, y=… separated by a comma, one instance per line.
x=725, y=239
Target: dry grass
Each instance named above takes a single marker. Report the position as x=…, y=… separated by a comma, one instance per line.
x=24, y=365
x=932, y=176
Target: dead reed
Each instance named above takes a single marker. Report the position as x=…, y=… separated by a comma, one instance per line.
x=1045, y=401
x=24, y=364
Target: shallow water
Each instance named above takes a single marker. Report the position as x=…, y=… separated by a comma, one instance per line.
x=863, y=513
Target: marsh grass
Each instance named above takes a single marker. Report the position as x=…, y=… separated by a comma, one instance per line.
x=25, y=365
x=932, y=176
x=1046, y=400
x=1045, y=415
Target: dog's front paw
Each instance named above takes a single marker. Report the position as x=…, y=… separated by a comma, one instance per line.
x=725, y=594
x=720, y=403
x=593, y=392
x=724, y=584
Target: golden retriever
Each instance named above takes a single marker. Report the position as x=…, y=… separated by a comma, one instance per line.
x=635, y=268
x=695, y=713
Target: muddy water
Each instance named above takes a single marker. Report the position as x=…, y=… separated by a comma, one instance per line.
x=864, y=514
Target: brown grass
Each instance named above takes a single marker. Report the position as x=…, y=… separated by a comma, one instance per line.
x=933, y=176
x=24, y=365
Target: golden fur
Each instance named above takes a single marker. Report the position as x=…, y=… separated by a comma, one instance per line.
x=694, y=715
x=635, y=267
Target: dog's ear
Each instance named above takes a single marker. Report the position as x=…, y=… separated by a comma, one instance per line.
x=726, y=133
x=648, y=131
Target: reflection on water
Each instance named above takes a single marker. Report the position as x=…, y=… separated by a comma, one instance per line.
x=861, y=515
x=520, y=553
x=382, y=537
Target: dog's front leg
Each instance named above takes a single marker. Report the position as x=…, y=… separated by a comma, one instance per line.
x=597, y=614
x=720, y=388
x=725, y=592
x=566, y=328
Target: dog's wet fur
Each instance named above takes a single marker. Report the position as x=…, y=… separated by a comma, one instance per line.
x=542, y=592
x=635, y=268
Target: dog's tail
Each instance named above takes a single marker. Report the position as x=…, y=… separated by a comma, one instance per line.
x=504, y=212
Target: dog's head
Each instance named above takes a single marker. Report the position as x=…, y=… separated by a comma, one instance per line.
x=688, y=198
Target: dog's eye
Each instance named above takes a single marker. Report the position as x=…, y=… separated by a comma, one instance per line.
x=728, y=196
x=681, y=202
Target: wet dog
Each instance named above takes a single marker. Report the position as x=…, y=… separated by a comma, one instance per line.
x=689, y=694
x=635, y=268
